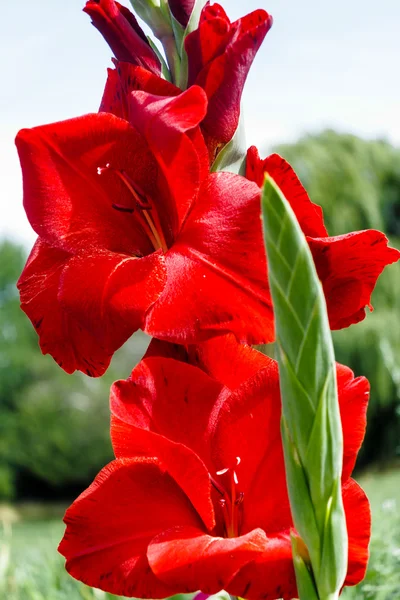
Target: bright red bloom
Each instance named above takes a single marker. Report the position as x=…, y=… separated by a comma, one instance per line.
x=220, y=54
x=135, y=232
x=348, y=265
x=196, y=498
x=122, y=32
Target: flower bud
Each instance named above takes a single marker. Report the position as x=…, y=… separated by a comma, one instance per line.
x=181, y=10
x=123, y=34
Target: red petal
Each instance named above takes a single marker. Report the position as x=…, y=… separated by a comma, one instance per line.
x=208, y=41
x=254, y=166
x=178, y=113
x=113, y=101
x=185, y=466
x=169, y=126
x=248, y=427
x=155, y=385
x=145, y=424
x=224, y=68
x=121, y=30
x=68, y=204
x=111, y=524
x=270, y=576
x=126, y=78
x=358, y=518
x=72, y=345
x=216, y=269
x=187, y=557
x=109, y=293
x=247, y=424
x=222, y=357
x=353, y=402
x=349, y=266
x=309, y=215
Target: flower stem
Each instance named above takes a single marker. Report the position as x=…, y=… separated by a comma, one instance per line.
x=171, y=52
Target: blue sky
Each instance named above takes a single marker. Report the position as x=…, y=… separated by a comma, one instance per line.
x=321, y=65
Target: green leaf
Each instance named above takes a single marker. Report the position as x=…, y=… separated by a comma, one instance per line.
x=311, y=426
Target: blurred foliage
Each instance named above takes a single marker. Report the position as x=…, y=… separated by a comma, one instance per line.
x=53, y=426
x=382, y=581
x=357, y=183
x=31, y=568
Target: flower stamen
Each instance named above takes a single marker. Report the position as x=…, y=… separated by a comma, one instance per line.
x=142, y=202
x=230, y=502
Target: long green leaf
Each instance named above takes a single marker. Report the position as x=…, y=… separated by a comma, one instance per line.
x=311, y=427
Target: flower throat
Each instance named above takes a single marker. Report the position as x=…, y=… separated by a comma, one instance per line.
x=231, y=502
x=145, y=212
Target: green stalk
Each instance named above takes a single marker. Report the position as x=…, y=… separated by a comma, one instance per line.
x=311, y=426
x=173, y=58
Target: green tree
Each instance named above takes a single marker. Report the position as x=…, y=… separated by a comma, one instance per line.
x=54, y=427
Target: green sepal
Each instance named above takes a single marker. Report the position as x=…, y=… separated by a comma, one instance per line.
x=154, y=14
x=299, y=494
x=157, y=15
x=304, y=575
x=232, y=157
x=222, y=595
x=334, y=556
x=194, y=18
x=173, y=58
x=179, y=33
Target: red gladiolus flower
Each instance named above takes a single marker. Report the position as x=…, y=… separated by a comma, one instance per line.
x=220, y=54
x=196, y=498
x=135, y=232
x=347, y=265
x=123, y=34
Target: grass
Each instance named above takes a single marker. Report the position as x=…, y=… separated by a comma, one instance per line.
x=35, y=571
x=382, y=581
x=31, y=569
